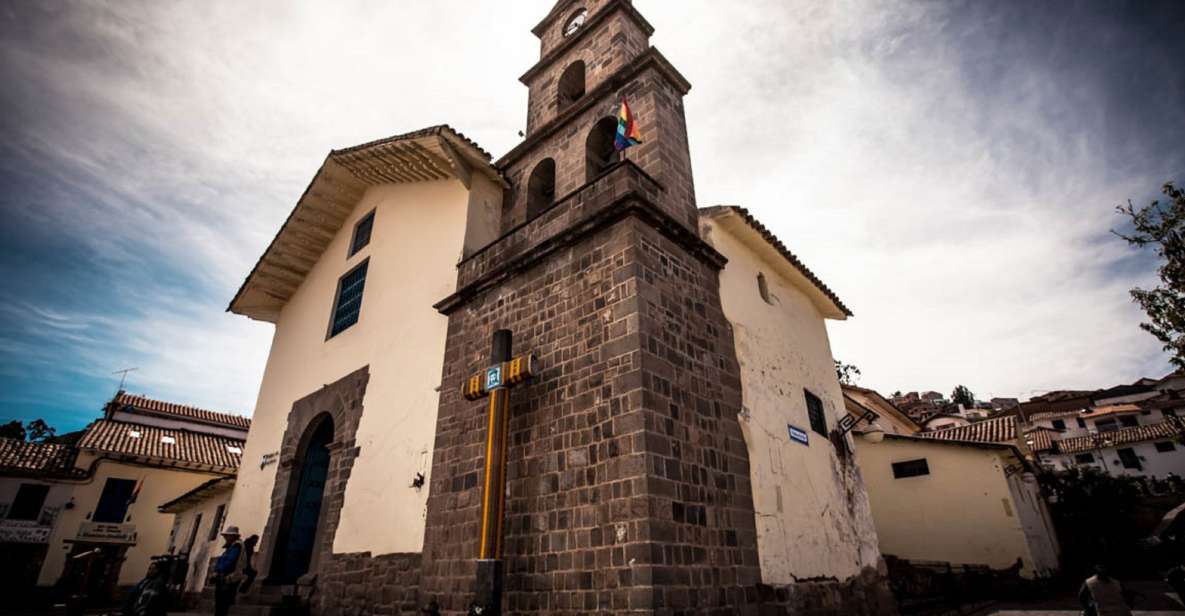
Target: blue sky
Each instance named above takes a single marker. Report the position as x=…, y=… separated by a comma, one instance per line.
x=950, y=169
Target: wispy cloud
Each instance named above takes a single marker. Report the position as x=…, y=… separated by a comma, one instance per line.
x=948, y=168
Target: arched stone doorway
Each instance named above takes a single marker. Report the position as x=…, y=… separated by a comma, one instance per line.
x=297, y=541
x=317, y=454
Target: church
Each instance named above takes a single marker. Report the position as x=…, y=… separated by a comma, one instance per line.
x=549, y=383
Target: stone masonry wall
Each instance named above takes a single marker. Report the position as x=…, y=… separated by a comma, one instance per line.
x=664, y=155
x=361, y=584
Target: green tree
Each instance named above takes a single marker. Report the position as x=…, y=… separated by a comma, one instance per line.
x=38, y=431
x=848, y=373
x=962, y=395
x=1161, y=226
x=12, y=429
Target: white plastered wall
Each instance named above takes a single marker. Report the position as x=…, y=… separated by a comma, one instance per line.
x=963, y=512
x=418, y=238
x=813, y=517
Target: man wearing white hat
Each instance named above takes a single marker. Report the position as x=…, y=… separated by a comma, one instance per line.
x=228, y=571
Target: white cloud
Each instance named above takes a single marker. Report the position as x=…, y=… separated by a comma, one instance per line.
x=965, y=228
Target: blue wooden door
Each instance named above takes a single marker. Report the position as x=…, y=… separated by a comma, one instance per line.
x=306, y=512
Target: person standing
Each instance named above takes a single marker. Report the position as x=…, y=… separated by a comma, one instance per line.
x=228, y=571
x=1103, y=595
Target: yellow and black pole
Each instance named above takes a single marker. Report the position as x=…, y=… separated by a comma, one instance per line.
x=495, y=382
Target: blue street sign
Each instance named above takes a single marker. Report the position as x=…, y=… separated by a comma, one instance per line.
x=799, y=435
x=493, y=378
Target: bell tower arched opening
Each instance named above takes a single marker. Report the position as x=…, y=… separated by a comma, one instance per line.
x=599, y=153
x=541, y=188
x=572, y=85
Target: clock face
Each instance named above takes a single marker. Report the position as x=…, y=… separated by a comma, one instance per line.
x=576, y=22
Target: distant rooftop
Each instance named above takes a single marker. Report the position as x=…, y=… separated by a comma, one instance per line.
x=42, y=459
x=149, y=406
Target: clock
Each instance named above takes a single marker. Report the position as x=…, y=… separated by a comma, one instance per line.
x=575, y=22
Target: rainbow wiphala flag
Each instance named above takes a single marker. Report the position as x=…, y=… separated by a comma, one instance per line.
x=628, y=134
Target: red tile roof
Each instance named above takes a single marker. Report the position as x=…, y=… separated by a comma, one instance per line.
x=188, y=448
x=180, y=411
x=50, y=459
x=998, y=430
x=1040, y=440
x=1051, y=415
x=1125, y=436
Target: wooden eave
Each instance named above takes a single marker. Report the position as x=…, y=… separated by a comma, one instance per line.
x=429, y=155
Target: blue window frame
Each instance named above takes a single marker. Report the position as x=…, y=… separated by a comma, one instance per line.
x=348, y=305
x=362, y=233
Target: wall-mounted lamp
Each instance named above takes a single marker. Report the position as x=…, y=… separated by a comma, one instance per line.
x=873, y=434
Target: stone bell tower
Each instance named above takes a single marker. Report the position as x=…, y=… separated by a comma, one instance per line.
x=627, y=475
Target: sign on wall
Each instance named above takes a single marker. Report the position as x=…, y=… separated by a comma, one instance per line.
x=13, y=531
x=493, y=378
x=107, y=533
x=798, y=435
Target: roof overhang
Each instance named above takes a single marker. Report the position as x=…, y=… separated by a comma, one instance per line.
x=210, y=489
x=738, y=222
x=432, y=154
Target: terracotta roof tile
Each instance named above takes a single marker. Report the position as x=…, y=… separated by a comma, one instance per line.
x=1051, y=415
x=1125, y=436
x=998, y=430
x=120, y=438
x=1115, y=409
x=191, y=413
x=37, y=458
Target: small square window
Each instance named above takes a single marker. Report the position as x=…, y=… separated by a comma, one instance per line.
x=1165, y=447
x=348, y=306
x=1058, y=424
x=1129, y=421
x=1084, y=458
x=30, y=498
x=814, y=411
x=1081, y=422
x=362, y=232
x=912, y=468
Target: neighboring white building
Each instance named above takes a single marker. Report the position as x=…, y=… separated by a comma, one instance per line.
x=958, y=502
x=98, y=500
x=943, y=421
x=1142, y=451
x=199, y=516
